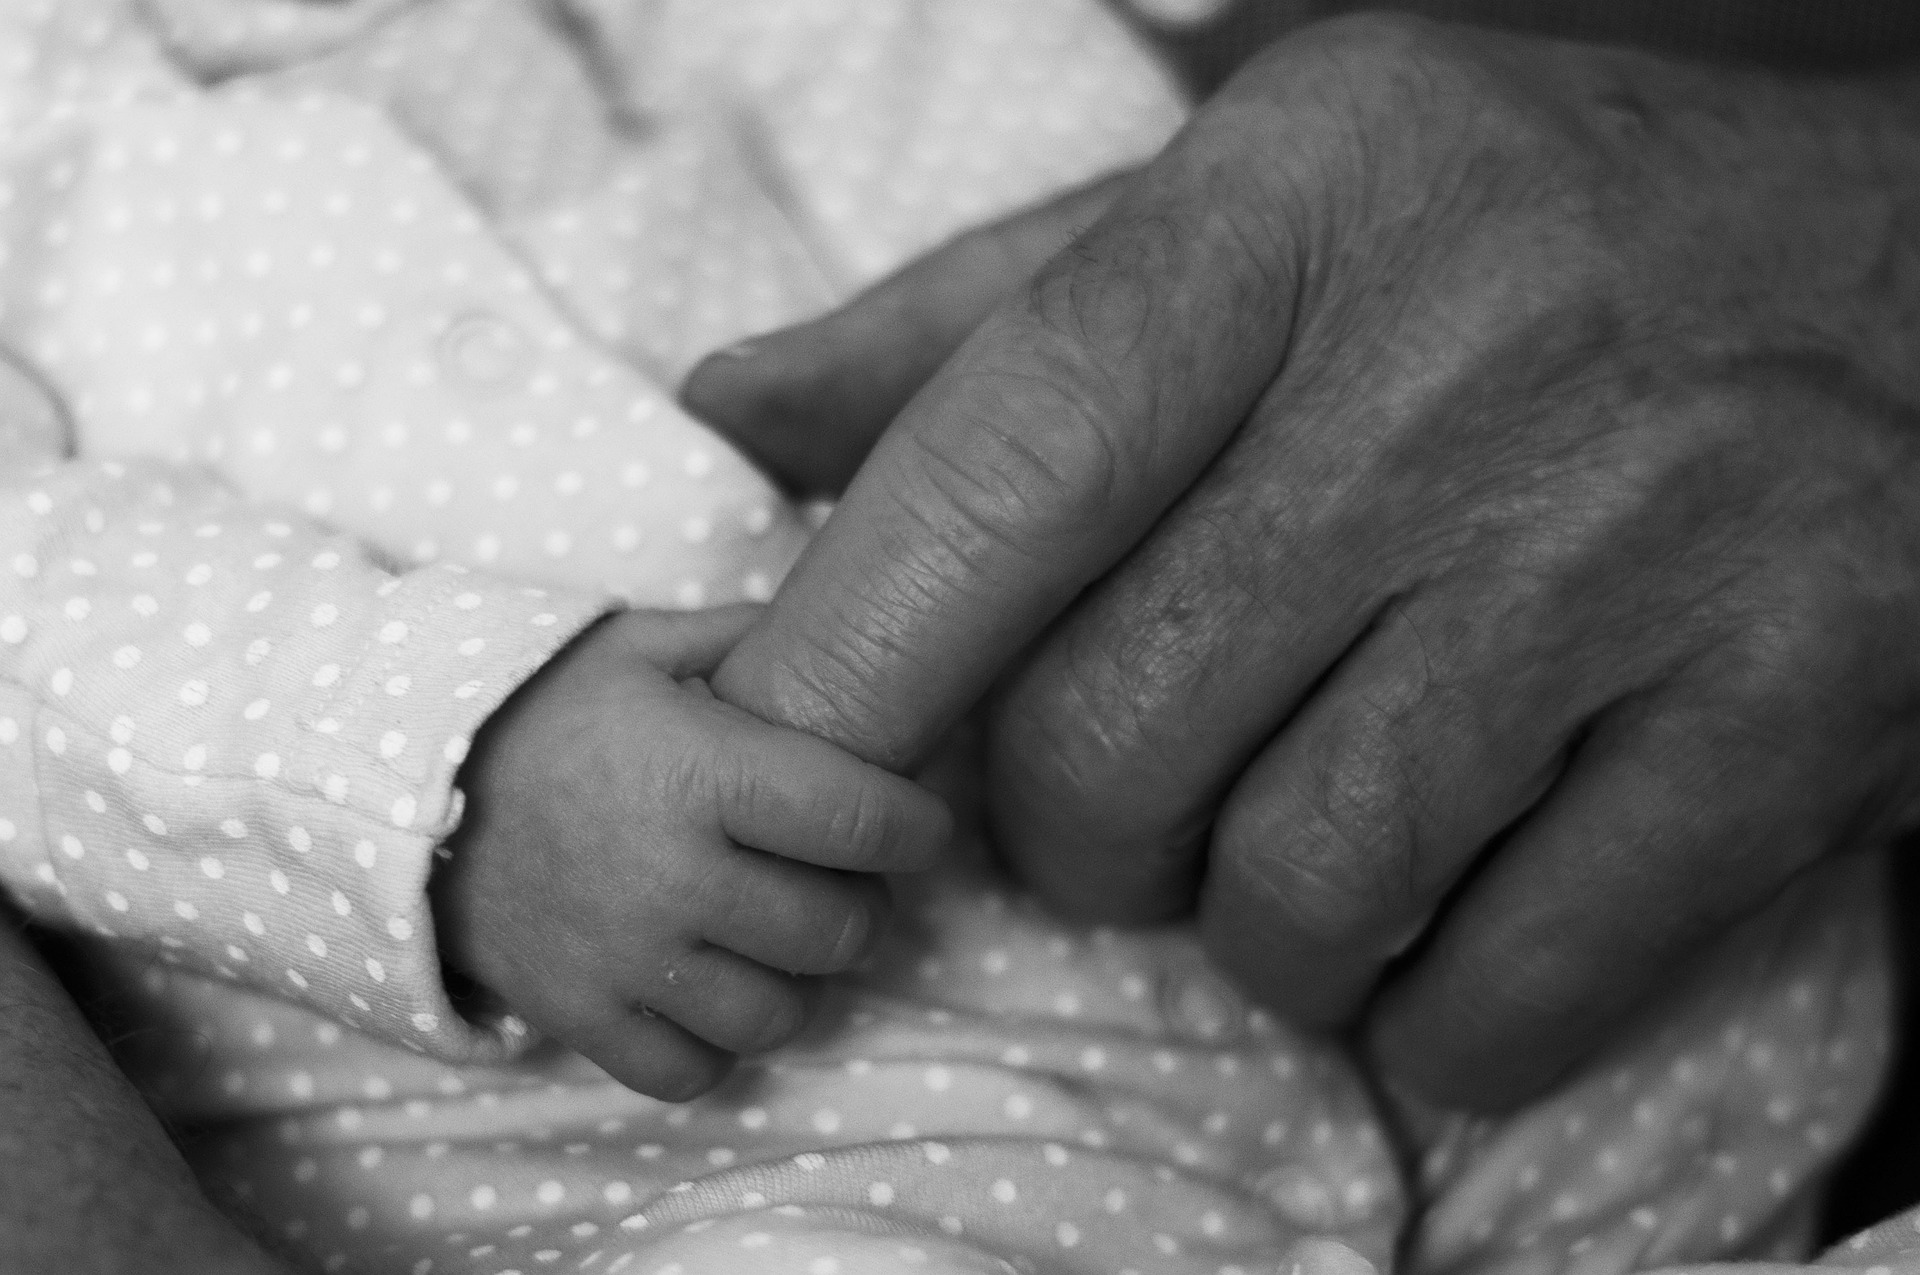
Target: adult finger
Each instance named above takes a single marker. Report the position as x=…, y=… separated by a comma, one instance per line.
x=1675, y=819
x=808, y=402
x=1339, y=841
x=1039, y=454
x=1114, y=743
x=795, y=918
x=794, y=795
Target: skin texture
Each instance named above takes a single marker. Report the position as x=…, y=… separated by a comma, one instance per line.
x=93, y=1185
x=645, y=873
x=1454, y=521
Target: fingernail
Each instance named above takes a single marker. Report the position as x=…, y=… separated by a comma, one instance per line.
x=1329, y=1257
x=1301, y=1198
x=1203, y=1006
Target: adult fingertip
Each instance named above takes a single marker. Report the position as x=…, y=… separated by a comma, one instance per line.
x=1437, y=1052
x=1250, y=924
x=800, y=401
x=725, y=387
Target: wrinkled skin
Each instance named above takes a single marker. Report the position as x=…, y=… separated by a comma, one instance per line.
x=1453, y=519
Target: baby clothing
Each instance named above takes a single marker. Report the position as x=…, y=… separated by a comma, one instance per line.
x=337, y=351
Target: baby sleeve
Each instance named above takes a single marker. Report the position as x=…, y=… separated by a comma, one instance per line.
x=231, y=733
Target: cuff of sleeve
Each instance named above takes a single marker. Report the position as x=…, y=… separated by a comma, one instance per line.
x=447, y=648
x=300, y=867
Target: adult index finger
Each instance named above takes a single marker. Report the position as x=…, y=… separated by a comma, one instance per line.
x=809, y=402
x=1042, y=452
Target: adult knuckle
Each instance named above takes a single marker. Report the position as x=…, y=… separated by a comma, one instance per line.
x=1035, y=488
x=1379, y=34
x=1793, y=636
x=1319, y=873
x=1073, y=723
x=1102, y=295
x=1373, y=66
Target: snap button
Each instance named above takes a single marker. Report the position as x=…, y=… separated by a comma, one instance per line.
x=485, y=349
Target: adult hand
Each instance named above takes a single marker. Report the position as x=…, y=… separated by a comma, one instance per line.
x=1456, y=511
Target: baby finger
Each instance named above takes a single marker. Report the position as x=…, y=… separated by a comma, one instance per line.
x=731, y=1002
x=803, y=798
x=797, y=918
x=651, y=1054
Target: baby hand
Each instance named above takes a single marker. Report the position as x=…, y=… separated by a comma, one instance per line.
x=642, y=869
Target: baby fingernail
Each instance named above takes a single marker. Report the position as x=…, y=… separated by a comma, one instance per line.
x=1204, y=1006
x=1303, y=1200
x=1328, y=1257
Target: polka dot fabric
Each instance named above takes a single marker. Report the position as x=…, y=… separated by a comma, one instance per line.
x=313, y=309
x=337, y=345
x=229, y=736
x=1078, y=1101
x=1705, y=1133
